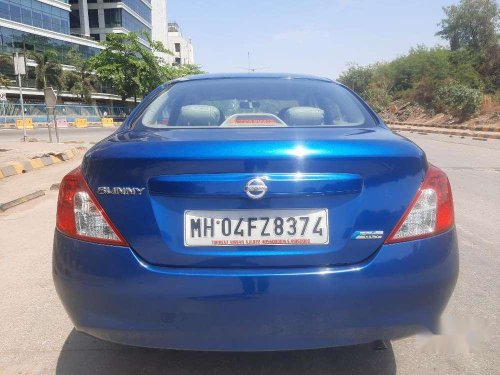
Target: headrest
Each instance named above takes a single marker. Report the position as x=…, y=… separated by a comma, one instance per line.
x=199, y=115
x=298, y=116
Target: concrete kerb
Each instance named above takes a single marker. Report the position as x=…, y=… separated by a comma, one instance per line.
x=16, y=202
x=479, y=128
x=24, y=166
x=476, y=136
x=71, y=125
x=8, y=126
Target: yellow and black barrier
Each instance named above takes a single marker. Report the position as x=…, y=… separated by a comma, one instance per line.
x=107, y=122
x=81, y=122
x=28, y=123
x=23, y=166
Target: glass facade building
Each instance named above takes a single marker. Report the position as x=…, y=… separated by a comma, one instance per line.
x=36, y=13
x=102, y=17
x=64, y=26
x=137, y=6
x=12, y=40
x=131, y=23
x=73, y=24
x=32, y=25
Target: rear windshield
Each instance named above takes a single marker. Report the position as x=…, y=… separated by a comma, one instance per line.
x=255, y=102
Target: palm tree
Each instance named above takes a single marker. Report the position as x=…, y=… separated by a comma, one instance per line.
x=4, y=80
x=48, y=70
x=80, y=81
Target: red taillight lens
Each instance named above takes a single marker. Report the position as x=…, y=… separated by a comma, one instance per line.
x=79, y=215
x=431, y=211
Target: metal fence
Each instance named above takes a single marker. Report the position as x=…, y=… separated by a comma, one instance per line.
x=9, y=112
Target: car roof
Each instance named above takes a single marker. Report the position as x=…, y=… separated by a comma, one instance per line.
x=251, y=75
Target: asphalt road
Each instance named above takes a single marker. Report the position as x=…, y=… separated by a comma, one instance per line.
x=36, y=336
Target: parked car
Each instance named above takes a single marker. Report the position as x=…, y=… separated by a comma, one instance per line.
x=254, y=212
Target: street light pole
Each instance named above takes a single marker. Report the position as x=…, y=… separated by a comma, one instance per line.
x=3, y=99
x=18, y=69
x=55, y=124
x=50, y=103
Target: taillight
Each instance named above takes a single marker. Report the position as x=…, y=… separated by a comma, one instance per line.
x=431, y=211
x=79, y=215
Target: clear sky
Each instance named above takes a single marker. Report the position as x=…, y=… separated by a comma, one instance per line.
x=297, y=36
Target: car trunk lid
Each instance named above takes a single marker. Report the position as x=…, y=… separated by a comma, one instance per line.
x=362, y=178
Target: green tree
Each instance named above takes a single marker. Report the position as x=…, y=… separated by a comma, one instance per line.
x=4, y=81
x=472, y=24
x=459, y=100
x=378, y=93
x=130, y=67
x=440, y=79
x=421, y=62
x=133, y=69
x=357, y=78
x=81, y=81
x=119, y=64
x=48, y=70
x=153, y=63
x=490, y=68
x=5, y=61
x=415, y=76
x=463, y=69
x=170, y=72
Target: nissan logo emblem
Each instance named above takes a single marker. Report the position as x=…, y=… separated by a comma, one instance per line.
x=256, y=188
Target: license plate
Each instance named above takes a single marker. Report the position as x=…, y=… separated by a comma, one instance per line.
x=297, y=227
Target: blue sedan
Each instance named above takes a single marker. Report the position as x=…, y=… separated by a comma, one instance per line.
x=254, y=212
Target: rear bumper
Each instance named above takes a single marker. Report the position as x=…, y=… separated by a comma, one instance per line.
x=111, y=294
